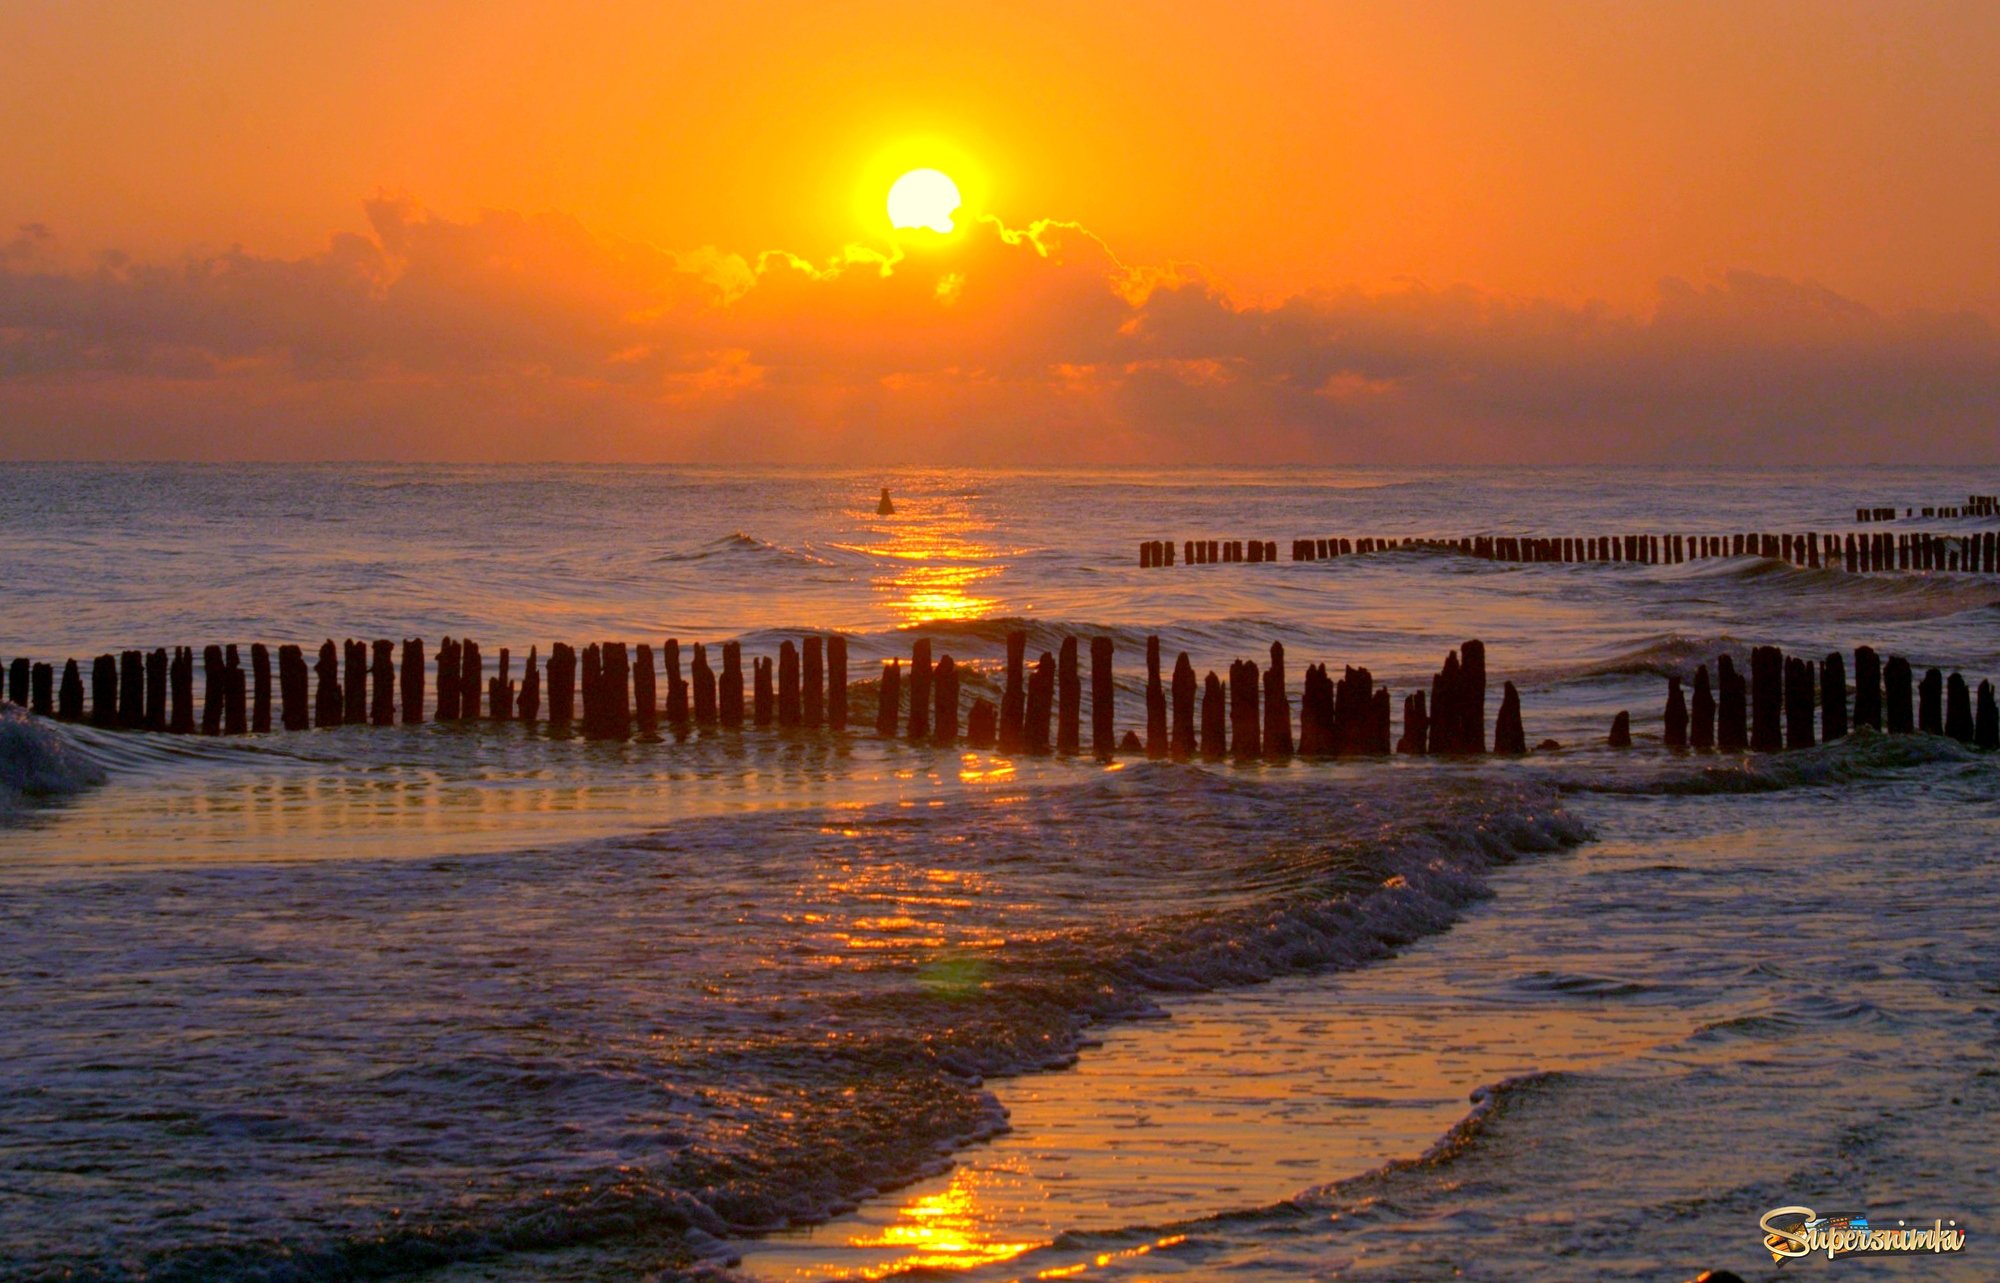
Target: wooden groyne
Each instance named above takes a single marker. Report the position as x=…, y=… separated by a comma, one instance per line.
x=1978, y=505
x=1854, y=552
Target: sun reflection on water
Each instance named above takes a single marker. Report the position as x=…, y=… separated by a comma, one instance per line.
x=937, y=561
x=946, y=1230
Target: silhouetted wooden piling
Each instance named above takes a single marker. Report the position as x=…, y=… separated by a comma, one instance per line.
x=889, y=706
x=764, y=701
x=1867, y=688
x=982, y=725
x=447, y=679
x=1246, y=723
x=235, y=692
x=1676, y=730
x=836, y=682
x=382, y=687
x=732, y=685
x=413, y=681
x=1767, y=699
x=615, y=690
x=18, y=674
x=1509, y=736
x=707, y=709
x=69, y=701
x=499, y=689
x=104, y=689
x=531, y=688
x=1930, y=703
x=1896, y=696
x=1069, y=699
x=678, y=713
x=260, y=678
x=1416, y=721
x=1958, y=710
x=294, y=710
x=562, y=686
x=1041, y=702
x=1354, y=713
x=1156, y=703
x=944, y=716
x=1183, y=691
x=646, y=690
x=1732, y=726
x=1621, y=731
x=131, y=689
x=591, y=673
x=1214, y=724
x=1986, y=725
x=1277, y=707
x=354, y=683
x=1799, y=702
x=327, y=706
x=41, y=689
x=471, y=677
x=157, y=688
x=789, y=710
x=1102, y=730
x=1833, y=697
x=1014, y=697
x=815, y=681
x=920, y=691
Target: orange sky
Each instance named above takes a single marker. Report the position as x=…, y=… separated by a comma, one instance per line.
x=1543, y=155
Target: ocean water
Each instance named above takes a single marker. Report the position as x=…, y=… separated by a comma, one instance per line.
x=471, y=1003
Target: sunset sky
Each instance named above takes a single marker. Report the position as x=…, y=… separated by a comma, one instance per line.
x=1710, y=232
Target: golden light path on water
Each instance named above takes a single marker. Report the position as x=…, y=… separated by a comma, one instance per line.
x=938, y=561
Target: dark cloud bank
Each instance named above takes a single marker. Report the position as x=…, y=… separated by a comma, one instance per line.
x=517, y=337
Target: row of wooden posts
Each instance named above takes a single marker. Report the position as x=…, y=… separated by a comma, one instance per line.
x=1978, y=552
x=1978, y=505
x=1773, y=707
x=806, y=686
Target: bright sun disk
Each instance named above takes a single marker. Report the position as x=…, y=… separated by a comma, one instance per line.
x=923, y=198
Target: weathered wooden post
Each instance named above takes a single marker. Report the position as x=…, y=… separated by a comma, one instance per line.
x=562, y=686
x=354, y=683
x=104, y=689
x=260, y=675
x=1677, y=714
x=1183, y=689
x=293, y=711
x=944, y=723
x=788, y=686
x=1246, y=721
x=1833, y=697
x=1472, y=679
x=69, y=704
x=836, y=682
x=470, y=672
x=1277, y=708
x=1014, y=697
x=41, y=689
x=1041, y=701
x=1896, y=684
x=591, y=685
x=531, y=687
x=1156, y=702
x=677, y=688
x=1930, y=703
x=131, y=689
x=156, y=690
x=17, y=681
x=732, y=685
x=382, y=705
x=1732, y=733
x=982, y=727
x=1767, y=699
x=815, y=675
x=889, y=707
x=1510, y=736
x=1416, y=720
x=1867, y=687
x=1704, y=710
x=920, y=691
x=1621, y=731
x=706, y=711
x=499, y=689
x=326, y=698
x=1069, y=699
x=235, y=693
x=413, y=681
x=615, y=690
x=1986, y=728
x=1799, y=701
x=1103, y=739
x=1214, y=735
x=763, y=703
x=447, y=676
x=1958, y=710
x=646, y=691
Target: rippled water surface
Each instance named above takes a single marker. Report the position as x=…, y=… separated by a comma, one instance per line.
x=481, y=1002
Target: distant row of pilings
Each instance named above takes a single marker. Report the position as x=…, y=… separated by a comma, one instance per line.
x=1247, y=715
x=1775, y=705
x=1977, y=553
x=1978, y=505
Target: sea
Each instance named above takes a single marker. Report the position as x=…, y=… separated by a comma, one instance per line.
x=475, y=1002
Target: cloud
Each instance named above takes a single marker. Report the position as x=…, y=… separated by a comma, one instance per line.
x=511, y=336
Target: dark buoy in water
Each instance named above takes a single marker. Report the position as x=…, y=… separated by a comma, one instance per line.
x=885, y=508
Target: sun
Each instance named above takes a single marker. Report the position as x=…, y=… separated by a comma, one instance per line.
x=924, y=198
